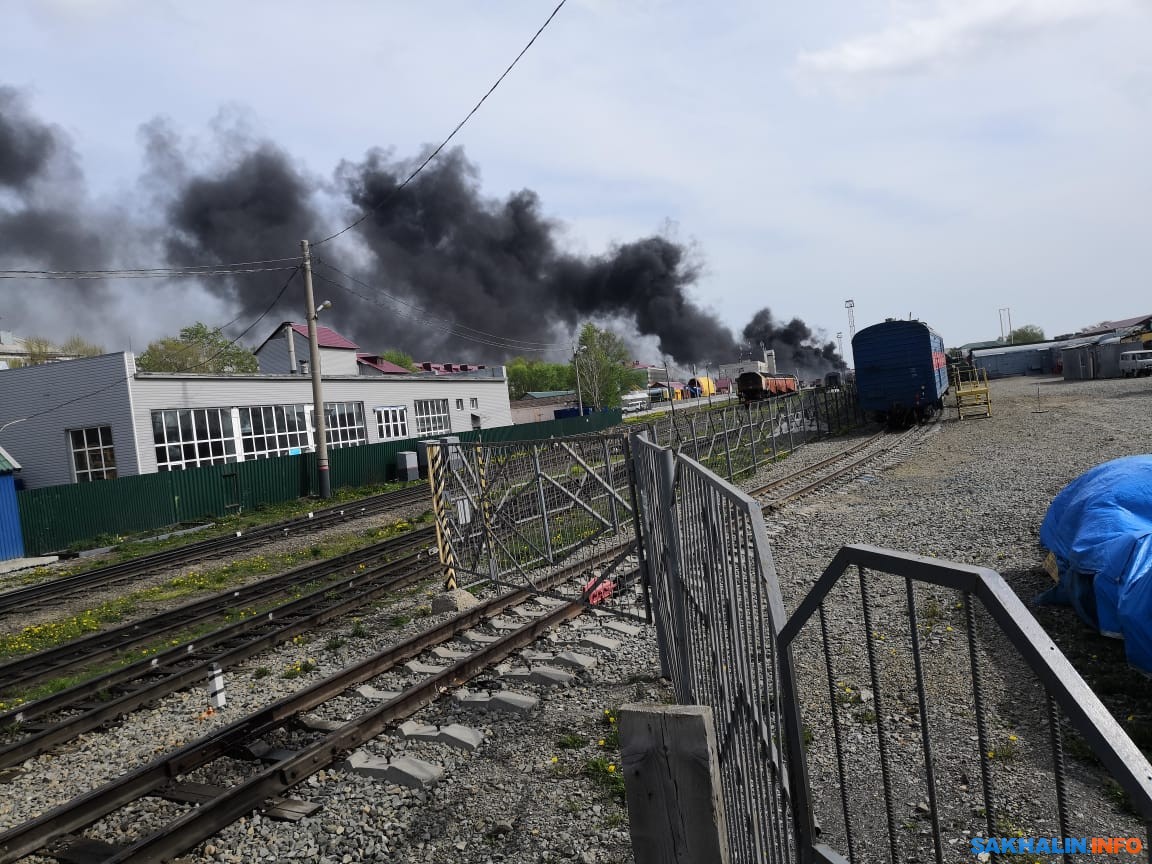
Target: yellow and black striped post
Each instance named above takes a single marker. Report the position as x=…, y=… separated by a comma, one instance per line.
x=436, y=480
x=486, y=508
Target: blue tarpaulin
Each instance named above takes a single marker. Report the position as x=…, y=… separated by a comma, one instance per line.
x=1099, y=528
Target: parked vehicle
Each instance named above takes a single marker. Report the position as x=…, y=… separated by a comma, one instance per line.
x=1134, y=363
x=633, y=402
x=901, y=371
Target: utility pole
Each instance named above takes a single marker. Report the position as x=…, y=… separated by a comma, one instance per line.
x=671, y=395
x=576, y=363
x=850, y=305
x=318, y=419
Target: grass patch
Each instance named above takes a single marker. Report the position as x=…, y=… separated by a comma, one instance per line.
x=261, y=672
x=334, y=643
x=571, y=741
x=132, y=546
x=607, y=775
x=300, y=667
x=358, y=631
x=1005, y=749
x=39, y=637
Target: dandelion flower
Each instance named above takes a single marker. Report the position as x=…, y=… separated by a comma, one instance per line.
x=601, y=741
x=1012, y=738
x=611, y=769
x=555, y=759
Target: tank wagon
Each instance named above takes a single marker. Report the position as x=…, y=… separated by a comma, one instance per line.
x=754, y=386
x=901, y=371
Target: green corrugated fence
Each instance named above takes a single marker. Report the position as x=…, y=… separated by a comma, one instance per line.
x=58, y=517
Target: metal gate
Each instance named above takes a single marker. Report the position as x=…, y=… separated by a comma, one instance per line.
x=518, y=513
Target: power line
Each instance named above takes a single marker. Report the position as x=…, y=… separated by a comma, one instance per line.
x=452, y=134
x=425, y=315
x=173, y=273
x=120, y=381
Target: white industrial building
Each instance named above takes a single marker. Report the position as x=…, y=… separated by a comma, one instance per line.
x=98, y=417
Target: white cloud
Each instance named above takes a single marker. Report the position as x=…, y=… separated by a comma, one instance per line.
x=925, y=35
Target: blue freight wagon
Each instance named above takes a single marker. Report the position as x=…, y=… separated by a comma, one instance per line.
x=901, y=371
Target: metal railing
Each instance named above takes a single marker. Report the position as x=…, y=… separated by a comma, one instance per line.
x=718, y=610
x=734, y=440
x=939, y=709
x=920, y=697
x=507, y=513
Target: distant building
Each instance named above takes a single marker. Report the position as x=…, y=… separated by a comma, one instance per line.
x=98, y=417
x=14, y=351
x=541, y=405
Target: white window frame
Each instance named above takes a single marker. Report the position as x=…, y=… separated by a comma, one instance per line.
x=392, y=422
x=283, y=428
x=195, y=442
x=474, y=403
x=344, y=424
x=101, y=451
x=431, y=416
x=459, y=404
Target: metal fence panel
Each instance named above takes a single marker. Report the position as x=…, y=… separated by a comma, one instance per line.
x=735, y=439
x=717, y=604
x=924, y=701
x=56, y=517
x=507, y=513
x=11, y=537
x=937, y=707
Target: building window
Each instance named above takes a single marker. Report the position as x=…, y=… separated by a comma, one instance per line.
x=392, y=423
x=459, y=404
x=432, y=416
x=273, y=430
x=187, y=438
x=473, y=403
x=345, y=422
x=92, y=454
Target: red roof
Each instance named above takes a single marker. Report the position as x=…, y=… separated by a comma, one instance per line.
x=382, y=365
x=326, y=337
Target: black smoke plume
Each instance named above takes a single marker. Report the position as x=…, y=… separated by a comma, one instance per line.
x=467, y=277
x=798, y=348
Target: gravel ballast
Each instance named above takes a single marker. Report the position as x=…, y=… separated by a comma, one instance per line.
x=972, y=492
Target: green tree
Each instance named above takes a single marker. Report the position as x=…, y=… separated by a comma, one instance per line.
x=527, y=375
x=199, y=349
x=399, y=358
x=1027, y=333
x=605, y=368
x=77, y=346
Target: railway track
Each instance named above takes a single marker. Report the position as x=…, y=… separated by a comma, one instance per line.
x=814, y=477
x=104, y=644
x=47, y=593
x=269, y=773
x=41, y=725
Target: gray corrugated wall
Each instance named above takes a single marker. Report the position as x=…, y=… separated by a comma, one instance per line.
x=73, y=394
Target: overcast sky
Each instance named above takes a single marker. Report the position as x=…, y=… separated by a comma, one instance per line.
x=939, y=158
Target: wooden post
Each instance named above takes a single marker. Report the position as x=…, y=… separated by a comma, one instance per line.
x=672, y=781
